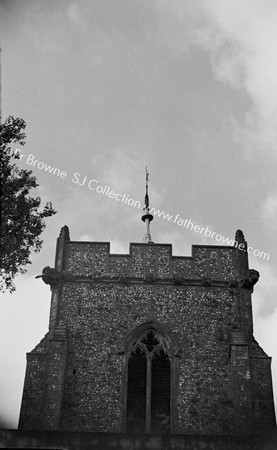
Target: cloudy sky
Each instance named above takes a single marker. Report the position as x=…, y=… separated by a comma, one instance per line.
x=186, y=87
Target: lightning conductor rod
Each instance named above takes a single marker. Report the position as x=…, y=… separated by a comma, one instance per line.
x=147, y=217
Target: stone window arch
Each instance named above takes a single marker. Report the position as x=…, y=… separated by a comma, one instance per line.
x=149, y=380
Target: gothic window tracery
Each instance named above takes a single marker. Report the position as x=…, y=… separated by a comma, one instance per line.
x=148, y=384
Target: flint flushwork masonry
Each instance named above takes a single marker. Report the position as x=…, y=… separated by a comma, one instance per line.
x=185, y=321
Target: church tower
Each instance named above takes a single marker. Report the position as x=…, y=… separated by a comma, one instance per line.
x=149, y=342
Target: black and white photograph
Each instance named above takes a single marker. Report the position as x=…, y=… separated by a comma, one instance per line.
x=138, y=248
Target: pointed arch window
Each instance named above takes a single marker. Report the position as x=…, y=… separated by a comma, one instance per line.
x=148, y=384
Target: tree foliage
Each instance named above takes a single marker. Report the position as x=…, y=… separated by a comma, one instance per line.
x=22, y=219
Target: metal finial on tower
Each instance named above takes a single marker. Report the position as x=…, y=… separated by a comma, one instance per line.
x=147, y=217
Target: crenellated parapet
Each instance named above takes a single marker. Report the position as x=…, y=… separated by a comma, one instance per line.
x=151, y=263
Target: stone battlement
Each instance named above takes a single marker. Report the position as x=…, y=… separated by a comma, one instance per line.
x=150, y=260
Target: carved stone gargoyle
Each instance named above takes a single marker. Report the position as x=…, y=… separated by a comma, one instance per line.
x=50, y=276
x=250, y=279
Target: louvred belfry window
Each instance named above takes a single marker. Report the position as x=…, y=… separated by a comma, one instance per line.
x=148, y=386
